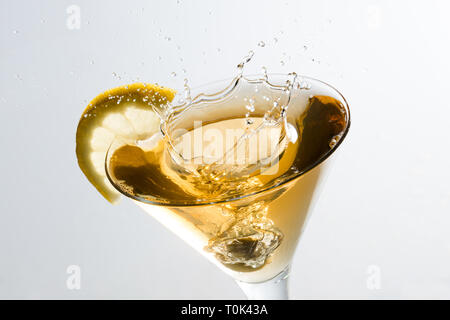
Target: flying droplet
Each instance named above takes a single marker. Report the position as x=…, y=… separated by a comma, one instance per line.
x=261, y=44
x=16, y=31
x=173, y=74
x=282, y=63
x=332, y=143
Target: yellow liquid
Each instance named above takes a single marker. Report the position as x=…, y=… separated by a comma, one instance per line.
x=253, y=237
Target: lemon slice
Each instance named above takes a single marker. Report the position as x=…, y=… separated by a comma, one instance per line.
x=126, y=112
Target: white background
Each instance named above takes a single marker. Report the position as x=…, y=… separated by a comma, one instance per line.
x=386, y=201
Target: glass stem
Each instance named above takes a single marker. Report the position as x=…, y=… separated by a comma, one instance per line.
x=273, y=289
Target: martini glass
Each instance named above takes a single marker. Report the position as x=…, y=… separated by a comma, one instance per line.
x=284, y=205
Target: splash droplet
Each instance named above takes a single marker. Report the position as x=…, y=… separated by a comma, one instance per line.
x=246, y=59
x=264, y=70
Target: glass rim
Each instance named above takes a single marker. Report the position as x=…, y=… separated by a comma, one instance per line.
x=293, y=177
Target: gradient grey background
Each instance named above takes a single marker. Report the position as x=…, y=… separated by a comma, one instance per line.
x=386, y=201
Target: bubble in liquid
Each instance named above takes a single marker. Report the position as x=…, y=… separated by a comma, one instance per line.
x=261, y=44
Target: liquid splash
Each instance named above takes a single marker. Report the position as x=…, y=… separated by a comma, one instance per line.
x=251, y=238
x=275, y=117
